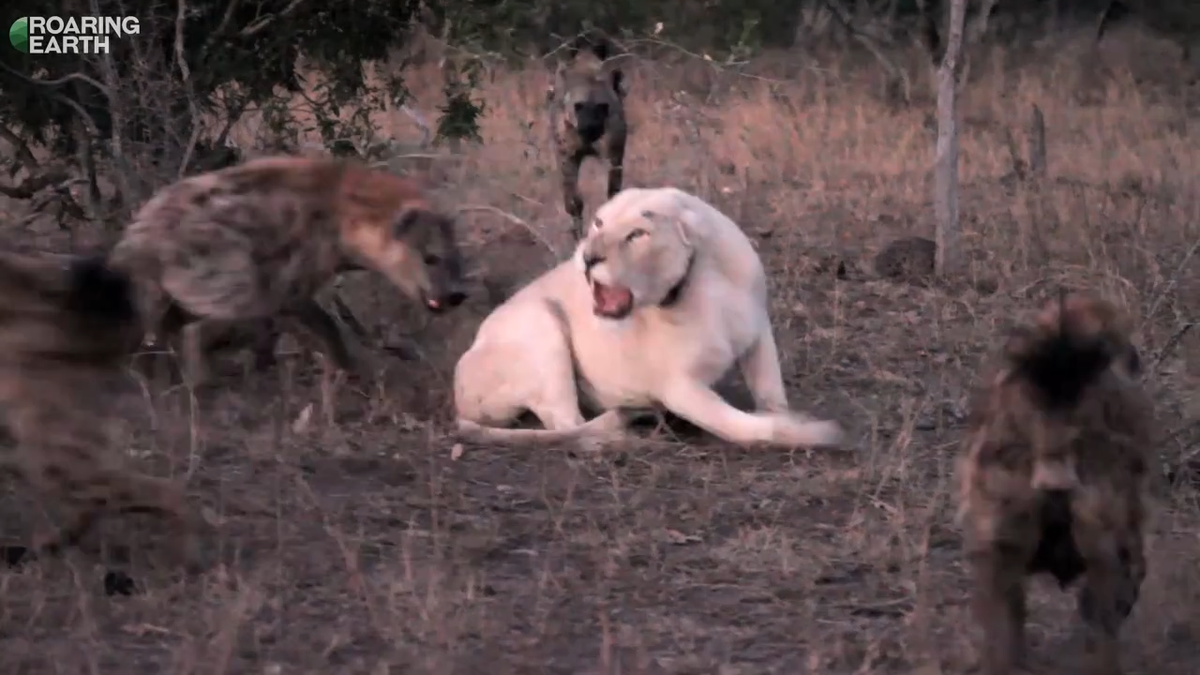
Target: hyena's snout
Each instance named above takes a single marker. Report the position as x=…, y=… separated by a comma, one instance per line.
x=591, y=120
x=447, y=290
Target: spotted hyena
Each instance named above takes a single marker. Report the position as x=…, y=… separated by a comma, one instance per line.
x=258, y=240
x=1052, y=477
x=587, y=114
x=66, y=328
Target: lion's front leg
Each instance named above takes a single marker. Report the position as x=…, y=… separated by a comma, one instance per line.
x=760, y=369
x=706, y=409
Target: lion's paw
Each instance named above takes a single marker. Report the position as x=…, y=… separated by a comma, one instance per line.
x=467, y=430
x=799, y=429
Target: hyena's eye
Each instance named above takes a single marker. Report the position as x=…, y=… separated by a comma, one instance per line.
x=433, y=260
x=580, y=107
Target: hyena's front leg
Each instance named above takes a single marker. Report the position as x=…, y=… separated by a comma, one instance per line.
x=1111, y=587
x=616, y=167
x=998, y=603
x=317, y=323
x=572, y=200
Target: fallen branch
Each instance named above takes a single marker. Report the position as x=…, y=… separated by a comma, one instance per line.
x=20, y=147
x=512, y=219
x=35, y=184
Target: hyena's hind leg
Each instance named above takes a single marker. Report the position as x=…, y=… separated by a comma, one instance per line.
x=77, y=478
x=124, y=493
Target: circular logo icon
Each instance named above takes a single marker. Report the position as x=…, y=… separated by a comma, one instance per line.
x=18, y=35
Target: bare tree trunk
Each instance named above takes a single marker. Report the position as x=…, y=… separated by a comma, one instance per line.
x=945, y=197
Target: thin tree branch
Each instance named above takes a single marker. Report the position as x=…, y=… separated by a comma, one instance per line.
x=35, y=184
x=186, y=74
x=846, y=19
x=265, y=21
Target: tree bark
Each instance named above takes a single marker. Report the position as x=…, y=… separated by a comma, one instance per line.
x=945, y=197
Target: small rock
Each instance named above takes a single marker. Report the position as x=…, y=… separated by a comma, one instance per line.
x=118, y=583
x=909, y=259
x=14, y=556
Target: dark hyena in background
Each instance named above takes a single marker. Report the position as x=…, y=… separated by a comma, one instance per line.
x=256, y=242
x=587, y=114
x=66, y=330
x=1053, y=478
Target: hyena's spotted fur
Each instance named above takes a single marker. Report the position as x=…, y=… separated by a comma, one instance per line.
x=1053, y=474
x=257, y=241
x=587, y=115
x=66, y=328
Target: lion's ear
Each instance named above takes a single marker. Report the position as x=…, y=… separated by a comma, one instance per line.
x=687, y=225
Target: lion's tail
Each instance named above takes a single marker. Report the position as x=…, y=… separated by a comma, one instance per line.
x=607, y=425
x=1060, y=359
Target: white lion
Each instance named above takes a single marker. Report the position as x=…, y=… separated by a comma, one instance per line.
x=661, y=299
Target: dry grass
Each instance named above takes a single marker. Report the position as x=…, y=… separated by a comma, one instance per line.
x=363, y=546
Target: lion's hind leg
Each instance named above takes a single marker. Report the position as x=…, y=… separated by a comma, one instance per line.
x=503, y=375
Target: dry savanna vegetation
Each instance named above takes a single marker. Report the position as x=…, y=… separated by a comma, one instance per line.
x=352, y=535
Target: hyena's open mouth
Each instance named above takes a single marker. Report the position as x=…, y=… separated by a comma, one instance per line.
x=442, y=303
x=611, y=302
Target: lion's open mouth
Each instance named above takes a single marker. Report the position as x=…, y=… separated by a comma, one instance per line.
x=612, y=302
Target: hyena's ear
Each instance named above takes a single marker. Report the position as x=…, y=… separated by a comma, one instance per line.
x=1019, y=343
x=1132, y=361
x=618, y=82
x=558, y=82
x=405, y=221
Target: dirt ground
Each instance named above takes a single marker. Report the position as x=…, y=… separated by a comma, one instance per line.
x=354, y=538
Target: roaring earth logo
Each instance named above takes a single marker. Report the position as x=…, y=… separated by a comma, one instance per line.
x=69, y=35
x=18, y=35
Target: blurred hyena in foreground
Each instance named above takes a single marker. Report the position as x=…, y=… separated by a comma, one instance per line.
x=249, y=243
x=1053, y=476
x=66, y=329
x=587, y=115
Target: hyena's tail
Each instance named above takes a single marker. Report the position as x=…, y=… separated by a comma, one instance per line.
x=78, y=309
x=1072, y=344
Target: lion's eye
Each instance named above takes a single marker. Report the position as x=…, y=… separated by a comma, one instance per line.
x=597, y=224
x=635, y=234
